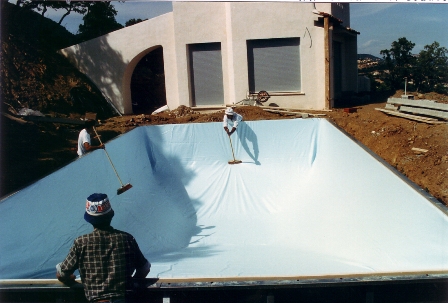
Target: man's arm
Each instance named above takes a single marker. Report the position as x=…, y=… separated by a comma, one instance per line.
x=65, y=278
x=236, y=120
x=142, y=272
x=225, y=124
x=89, y=147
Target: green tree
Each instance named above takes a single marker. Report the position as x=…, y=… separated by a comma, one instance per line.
x=431, y=72
x=399, y=63
x=79, y=7
x=99, y=20
x=42, y=6
x=133, y=21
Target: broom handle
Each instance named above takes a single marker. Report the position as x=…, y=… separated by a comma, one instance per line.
x=231, y=146
x=107, y=154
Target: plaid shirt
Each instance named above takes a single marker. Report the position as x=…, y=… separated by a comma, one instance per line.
x=106, y=260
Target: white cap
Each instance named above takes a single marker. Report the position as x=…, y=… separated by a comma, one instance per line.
x=229, y=111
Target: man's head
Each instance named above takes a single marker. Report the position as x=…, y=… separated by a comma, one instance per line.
x=89, y=124
x=98, y=210
x=229, y=112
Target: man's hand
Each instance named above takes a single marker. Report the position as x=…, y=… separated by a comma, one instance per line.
x=227, y=131
x=231, y=132
x=89, y=147
x=141, y=273
x=66, y=280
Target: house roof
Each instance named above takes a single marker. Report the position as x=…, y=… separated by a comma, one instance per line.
x=337, y=20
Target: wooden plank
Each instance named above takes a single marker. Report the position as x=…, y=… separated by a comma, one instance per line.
x=327, y=61
x=380, y=276
x=404, y=114
x=21, y=121
x=391, y=106
x=424, y=111
x=286, y=112
x=53, y=120
x=419, y=103
x=293, y=109
x=411, y=117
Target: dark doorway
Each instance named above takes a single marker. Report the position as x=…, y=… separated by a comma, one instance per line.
x=337, y=73
x=148, y=83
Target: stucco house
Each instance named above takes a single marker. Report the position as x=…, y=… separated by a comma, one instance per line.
x=217, y=53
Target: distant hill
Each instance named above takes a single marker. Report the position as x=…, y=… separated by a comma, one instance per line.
x=367, y=56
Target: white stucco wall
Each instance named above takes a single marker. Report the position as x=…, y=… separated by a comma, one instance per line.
x=271, y=20
x=110, y=60
x=232, y=24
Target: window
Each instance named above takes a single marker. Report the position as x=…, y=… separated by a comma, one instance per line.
x=206, y=74
x=274, y=64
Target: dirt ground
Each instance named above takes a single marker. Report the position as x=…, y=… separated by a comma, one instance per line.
x=392, y=138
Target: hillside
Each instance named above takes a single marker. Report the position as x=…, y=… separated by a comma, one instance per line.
x=368, y=57
x=34, y=76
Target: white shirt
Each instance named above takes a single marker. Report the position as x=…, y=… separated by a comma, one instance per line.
x=83, y=137
x=236, y=118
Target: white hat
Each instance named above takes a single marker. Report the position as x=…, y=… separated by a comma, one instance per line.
x=229, y=111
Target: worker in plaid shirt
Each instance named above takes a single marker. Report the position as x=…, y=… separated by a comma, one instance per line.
x=106, y=258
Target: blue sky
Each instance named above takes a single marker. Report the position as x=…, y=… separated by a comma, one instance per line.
x=379, y=24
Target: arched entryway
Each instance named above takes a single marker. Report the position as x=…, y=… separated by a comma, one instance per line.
x=148, y=83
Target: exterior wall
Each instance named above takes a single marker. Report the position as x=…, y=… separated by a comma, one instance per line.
x=110, y=60
x=193, y=23
x=279, y=20
x=232, y=23
x=342, y=12
x=350, y=67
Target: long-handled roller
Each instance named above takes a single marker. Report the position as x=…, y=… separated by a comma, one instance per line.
x=124, y=187
x=234, y=161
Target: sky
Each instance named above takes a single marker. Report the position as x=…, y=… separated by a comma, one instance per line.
x=379, y=24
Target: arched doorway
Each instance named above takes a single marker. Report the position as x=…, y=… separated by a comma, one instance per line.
x=148, y=83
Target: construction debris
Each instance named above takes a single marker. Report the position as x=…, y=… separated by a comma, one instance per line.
x=427, y=111
x=292, y=113
x=419, y=150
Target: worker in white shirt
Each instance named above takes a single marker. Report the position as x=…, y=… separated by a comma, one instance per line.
x=233, y=118
x=84, y=142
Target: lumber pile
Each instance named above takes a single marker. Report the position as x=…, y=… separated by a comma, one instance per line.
x=427, y=111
